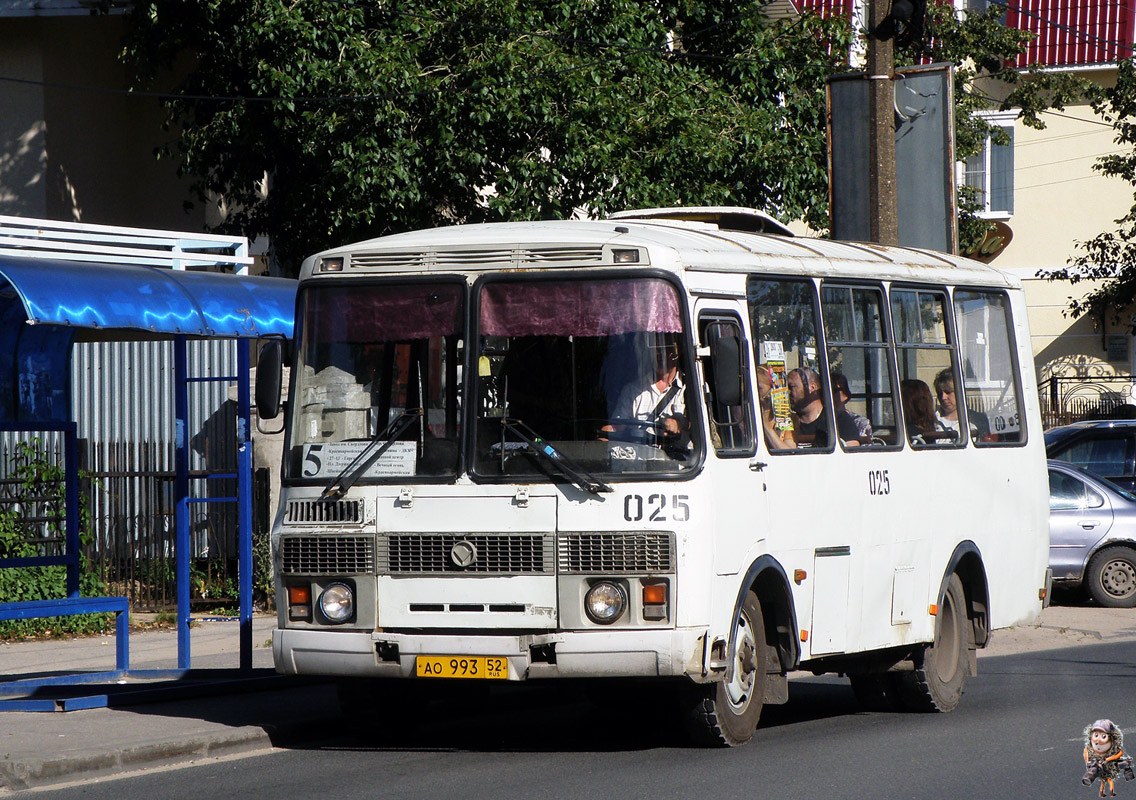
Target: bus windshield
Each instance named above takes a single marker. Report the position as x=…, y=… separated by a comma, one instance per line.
x=581, y=376
x=377, y=362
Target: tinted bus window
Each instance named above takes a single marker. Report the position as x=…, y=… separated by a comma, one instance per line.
x=783, y=314
x=860, y=362
x=990, y=401
x=928, y=371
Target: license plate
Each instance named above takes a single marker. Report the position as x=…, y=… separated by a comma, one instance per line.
x=462, y=667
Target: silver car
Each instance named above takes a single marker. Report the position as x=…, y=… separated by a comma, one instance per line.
x=1092, y=535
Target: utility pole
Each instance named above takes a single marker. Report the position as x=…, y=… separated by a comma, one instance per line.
x=883, y=227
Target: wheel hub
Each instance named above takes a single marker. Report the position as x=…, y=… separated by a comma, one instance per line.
x=740, y=688
x=1118, y=578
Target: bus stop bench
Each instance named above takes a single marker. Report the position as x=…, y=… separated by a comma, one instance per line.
x=71, y=606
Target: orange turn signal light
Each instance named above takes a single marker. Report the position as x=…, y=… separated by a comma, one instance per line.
x=299, y=595
x=655, y=594
x=799, y=575
x=933, y=609
x=804, y=636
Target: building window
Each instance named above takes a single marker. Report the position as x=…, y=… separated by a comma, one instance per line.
x=991, y=174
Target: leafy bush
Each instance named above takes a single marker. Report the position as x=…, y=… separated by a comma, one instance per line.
x=38, y=491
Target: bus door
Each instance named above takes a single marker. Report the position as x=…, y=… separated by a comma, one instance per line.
x=736, y=485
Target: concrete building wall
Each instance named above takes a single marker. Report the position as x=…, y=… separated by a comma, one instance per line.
x=73, y=145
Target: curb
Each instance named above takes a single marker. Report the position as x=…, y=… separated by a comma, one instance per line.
x=16, y=776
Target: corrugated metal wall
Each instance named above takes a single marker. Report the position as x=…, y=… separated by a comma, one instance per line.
x=123, y=406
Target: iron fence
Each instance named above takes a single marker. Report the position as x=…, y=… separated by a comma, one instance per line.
x=1071, y=398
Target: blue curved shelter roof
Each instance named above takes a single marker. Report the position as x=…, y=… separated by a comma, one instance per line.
x=154, y=300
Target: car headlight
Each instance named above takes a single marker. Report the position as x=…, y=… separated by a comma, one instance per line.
x=605, y=602
x=337, y=602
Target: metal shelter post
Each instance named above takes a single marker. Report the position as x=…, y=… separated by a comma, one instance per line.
x=181, y=495
x=244, y=502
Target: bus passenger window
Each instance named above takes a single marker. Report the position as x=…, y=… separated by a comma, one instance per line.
x=990, y=401
x=796, y=416
x=927, y=367
x=731, y=423
x=860, y=360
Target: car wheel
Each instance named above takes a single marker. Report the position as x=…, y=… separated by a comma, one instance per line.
x=1111, y=577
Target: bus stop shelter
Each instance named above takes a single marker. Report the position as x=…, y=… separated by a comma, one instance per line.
x=63, y=283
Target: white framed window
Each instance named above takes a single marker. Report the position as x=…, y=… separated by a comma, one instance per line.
x=981, y=7
x=991, y=172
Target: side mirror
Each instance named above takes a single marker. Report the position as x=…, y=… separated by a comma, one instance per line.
x=269, y=377
x=726, y=361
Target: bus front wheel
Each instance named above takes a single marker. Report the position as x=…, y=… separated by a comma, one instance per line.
x=937, y=681
x=726, y=713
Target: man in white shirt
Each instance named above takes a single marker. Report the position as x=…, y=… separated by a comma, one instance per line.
x=661, y=406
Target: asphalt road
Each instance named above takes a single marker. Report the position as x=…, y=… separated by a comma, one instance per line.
x=1017, y=733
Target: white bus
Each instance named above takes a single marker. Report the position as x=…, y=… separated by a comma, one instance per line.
x=667, y=445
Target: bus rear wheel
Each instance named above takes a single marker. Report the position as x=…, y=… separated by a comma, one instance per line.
x=936, y=683
x=725, y=714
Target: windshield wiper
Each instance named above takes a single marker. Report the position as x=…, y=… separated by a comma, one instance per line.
x=369, y=454
x=538, y=446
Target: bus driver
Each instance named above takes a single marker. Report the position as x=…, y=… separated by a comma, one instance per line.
x=661, y=405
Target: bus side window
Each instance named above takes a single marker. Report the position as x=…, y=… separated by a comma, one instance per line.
x=990, y=397
x=796, y=411
x=928, y=367
x=731, y=417
x=860, y=361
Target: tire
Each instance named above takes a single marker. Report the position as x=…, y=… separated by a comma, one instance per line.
x=876, y=691
x=1111, y=577
x=725, y=714
x=936, y=683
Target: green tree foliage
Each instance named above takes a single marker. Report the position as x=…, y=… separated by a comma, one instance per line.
x=1110, y=257
x=377, y=117
x=373, y=118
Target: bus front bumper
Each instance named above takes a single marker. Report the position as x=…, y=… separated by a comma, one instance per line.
x=598, y=654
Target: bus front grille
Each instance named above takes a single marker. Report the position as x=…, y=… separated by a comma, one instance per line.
x=466, y=553
x=327, y=555
x=608, y=552
x=321, y=512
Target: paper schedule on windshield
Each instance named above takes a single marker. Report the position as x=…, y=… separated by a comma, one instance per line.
x=330, y=459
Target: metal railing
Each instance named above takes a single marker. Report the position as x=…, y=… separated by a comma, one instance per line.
x=1071, y=398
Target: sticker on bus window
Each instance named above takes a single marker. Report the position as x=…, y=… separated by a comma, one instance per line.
x=773, y=359
x=329, y=459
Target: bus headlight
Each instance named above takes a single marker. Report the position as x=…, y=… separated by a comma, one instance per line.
x=337, y=602
x=605, y=602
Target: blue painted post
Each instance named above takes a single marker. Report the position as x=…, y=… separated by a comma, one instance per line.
x=71, y=502
x=244, y=502
x=181, y=494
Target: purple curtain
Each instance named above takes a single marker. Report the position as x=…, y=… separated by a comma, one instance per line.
x=579, y=308
x=383, y=313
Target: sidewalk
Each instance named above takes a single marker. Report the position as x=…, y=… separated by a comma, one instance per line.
x=42, y=749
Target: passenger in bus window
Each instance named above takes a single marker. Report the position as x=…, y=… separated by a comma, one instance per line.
x=919, y=413
x=947, y=414
x=852, y=428
x=808, y=407
x=774, y=439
